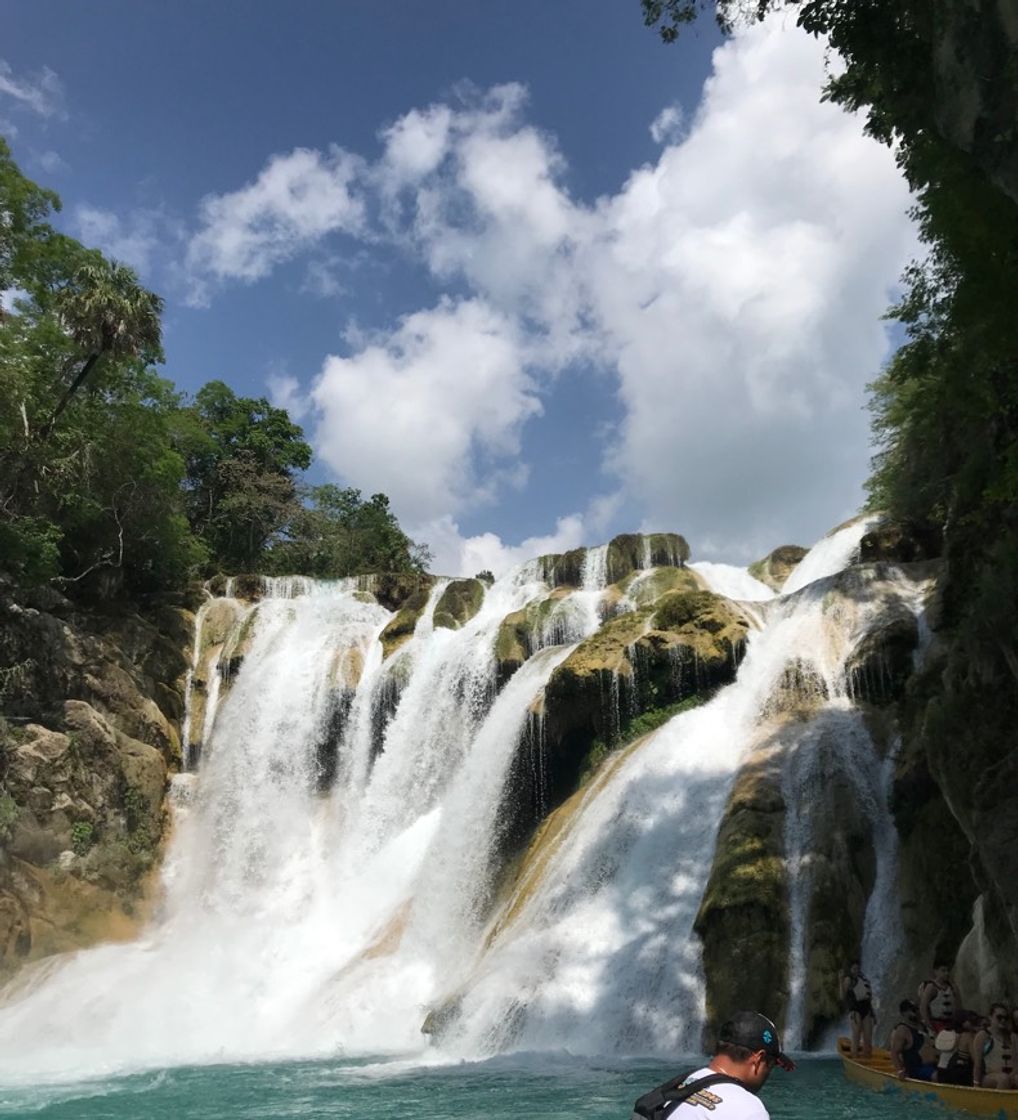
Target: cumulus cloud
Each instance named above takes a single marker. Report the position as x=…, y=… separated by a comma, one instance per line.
x=285, y=391
x=135, y=239
x=295, y=201
x=456, y=555
x=733, y=288
x=668, y=125
x=431, y=412
x=42, y=92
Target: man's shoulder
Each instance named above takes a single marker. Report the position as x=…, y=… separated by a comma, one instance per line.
x=725, y=1100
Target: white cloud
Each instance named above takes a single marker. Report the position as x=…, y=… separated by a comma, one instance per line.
x=733, y=288
x=51, y=162
x=429, y=413
x=456, y=555
x=285, y=392
x=668, y=126
x=297, y=200
x=135, y=239
x=42, y=92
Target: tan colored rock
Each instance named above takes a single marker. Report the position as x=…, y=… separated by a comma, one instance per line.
x=775, y=568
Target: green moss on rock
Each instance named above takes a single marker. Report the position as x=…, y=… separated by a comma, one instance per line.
x=401, y=628
x=777, y=565
x=743, y=915
x=458, y=603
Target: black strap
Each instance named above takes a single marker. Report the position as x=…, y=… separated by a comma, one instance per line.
x=651, y=1106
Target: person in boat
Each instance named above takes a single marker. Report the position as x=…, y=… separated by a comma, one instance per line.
x=858, y=998
x=939, y=999
x=993, y=1052
x=955, y=1065
x=911, y=1050
x=748, y=1049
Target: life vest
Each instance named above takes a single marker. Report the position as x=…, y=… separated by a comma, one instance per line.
x=998, y=1058
x=662, y=1101
x=942, y=1001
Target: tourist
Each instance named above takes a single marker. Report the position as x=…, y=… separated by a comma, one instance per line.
x=911, y=1051
x=955, y=1066
x=857, y=996
x=748, y=1049
x=993, y=1064
x=939, y=999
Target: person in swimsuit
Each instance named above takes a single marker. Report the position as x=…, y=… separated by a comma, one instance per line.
x=939, y=999
x=993, y=1052
x=857, y=996
x=911, y=1052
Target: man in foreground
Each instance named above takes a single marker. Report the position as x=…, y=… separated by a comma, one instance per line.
x=748, y=1049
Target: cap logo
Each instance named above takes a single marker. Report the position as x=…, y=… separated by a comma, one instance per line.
x=768, y=1037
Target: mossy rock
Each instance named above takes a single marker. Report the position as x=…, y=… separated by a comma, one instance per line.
x=775, y=568
x=394, y=590
x=401, y=628
x=644, y=588
x=628, y=552
x=519, y=634
x=743, y=916
x=458, y=603
x=563, y=569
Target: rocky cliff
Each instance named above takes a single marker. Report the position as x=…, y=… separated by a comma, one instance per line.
x=92, y=702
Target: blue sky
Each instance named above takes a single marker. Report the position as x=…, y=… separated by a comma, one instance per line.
x=512, y=263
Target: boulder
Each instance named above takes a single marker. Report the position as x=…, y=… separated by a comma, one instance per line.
x=401, y=628
x=458, y=603
x=394, y=589
x=744, y=912
x=775, y=568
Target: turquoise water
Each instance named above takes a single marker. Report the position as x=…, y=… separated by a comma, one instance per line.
x=553, y=1089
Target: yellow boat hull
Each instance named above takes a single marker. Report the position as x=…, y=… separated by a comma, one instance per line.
x=877, y=1072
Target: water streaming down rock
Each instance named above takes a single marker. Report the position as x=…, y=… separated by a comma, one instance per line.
x=298, y=921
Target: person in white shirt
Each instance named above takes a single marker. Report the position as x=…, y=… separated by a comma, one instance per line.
x=726, y=1089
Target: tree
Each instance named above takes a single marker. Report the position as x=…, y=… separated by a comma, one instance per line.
x=336, y=533
x=106, y=312
x=242, y=456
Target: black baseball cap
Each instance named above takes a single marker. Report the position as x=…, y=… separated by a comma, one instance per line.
x=755, y=1032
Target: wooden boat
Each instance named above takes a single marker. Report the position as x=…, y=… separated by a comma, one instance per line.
x=877, y=1072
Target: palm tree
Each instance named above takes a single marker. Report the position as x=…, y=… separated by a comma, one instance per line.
x=106, y=311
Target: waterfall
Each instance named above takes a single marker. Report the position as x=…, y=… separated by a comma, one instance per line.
x=733, y=583
x=313, y=909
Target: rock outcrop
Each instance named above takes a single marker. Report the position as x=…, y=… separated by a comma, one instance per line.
x=777, y=565
x=744, y=913
x=92, y=703
x=458, y=603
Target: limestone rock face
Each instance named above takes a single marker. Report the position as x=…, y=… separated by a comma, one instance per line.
x=93, y=701
x=401, y=628
x=458, y=603
x=900, y=542
x=87, y=797
x=627, y=553
x=525, y=631
x=777, y=565
x=686, y=645
x=744, y=913
x=394, y=589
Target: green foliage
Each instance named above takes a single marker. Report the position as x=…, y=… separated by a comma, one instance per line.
x=109, y=482
x=634, y=728
x=338, y=533
x=82, y=838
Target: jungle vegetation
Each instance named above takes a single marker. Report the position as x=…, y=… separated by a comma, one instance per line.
x=113, y=481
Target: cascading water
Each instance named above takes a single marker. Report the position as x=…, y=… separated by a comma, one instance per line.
x=303, y=917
